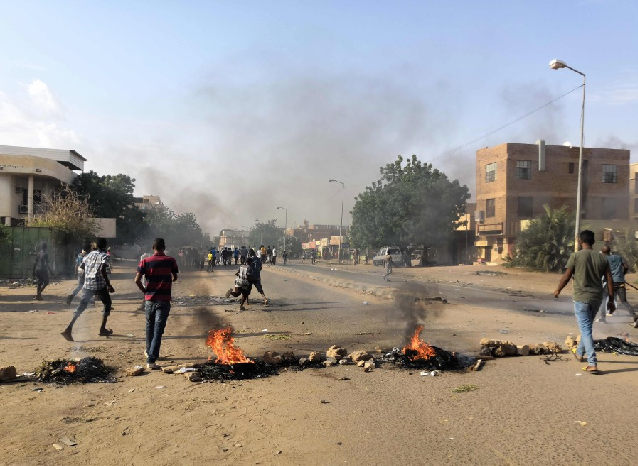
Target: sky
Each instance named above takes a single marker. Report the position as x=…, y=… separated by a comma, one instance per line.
x=230, y=109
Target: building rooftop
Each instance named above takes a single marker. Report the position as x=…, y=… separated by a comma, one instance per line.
x=69, y=158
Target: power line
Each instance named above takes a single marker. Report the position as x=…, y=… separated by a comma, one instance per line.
x=504, y=126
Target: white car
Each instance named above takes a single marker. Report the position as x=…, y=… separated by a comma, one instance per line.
x=394, y=251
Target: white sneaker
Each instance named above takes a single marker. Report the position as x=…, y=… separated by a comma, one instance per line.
x=601, y=320
x=146, y=354
x=152, y=366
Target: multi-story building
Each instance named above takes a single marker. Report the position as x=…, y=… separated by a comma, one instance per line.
x=233, y=238
x=27, y=174
x=147, y=202
x=633, y=191
x=514, y=181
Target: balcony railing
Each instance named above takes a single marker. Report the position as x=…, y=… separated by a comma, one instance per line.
x=490, y=229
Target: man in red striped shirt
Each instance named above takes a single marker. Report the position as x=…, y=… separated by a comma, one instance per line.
x=160, y=271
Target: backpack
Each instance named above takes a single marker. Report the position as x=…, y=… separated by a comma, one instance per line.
x=244, y=274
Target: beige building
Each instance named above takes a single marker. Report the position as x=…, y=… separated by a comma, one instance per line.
x=27, y=174
x=514, y=182
x=633, y=191
x=147, y=202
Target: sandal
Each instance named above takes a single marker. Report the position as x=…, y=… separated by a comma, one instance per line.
x=591, y=369
x=107, y=332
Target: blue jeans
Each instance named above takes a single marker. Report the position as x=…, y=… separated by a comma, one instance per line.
x=87, y=295
x=156, y=317
x=585, y=314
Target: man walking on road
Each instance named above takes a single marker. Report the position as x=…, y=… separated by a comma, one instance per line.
x=96, y=283
x=160, y=271
x=618, y=270
x=587, y=267
x=255, y=274
x=41, y=270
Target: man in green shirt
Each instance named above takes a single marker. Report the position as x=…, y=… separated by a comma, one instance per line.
x=587, y=267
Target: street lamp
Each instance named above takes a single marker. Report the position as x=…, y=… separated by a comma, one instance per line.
x=285, y=224
x=557, y=65
x=341, y=222
x=261, y=234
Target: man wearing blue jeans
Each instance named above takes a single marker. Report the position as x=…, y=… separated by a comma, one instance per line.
x=587, y=267
x=160, y=271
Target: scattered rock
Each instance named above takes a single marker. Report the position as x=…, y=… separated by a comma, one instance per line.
x=169, y=369
x=570, y=341
x=7, y=373
x=336, y=352
x=314, y=357
x=303, y=361
x=271, y=357
x=133, y=371
x=361, y=363
x=329, y=362
x=522, y=350
x=288, y=357
x=369, y=366
x=345, y=361
x=193, y=376
x=357, y=356
x=552, y=346
x=58, y=447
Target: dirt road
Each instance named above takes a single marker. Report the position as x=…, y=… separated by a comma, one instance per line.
x=524, y=410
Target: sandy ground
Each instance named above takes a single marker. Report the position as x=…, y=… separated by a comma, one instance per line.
x=525, y=411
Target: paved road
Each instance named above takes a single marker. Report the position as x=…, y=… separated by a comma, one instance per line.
x=455, y=293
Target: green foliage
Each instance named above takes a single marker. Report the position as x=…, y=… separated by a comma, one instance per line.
x=5, y=234
x=625, y=245
x=69, y=214
x=111, y=196
x=177, y=230
x=411, y=204
x=268, y=234
x=547, y=243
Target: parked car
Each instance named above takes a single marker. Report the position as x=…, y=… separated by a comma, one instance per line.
x=394, y=251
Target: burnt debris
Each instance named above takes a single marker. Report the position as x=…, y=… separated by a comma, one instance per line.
x=616, y=345
x=86, y=370
x=442, y=360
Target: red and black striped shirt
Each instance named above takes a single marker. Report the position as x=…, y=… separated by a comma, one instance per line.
x=158, y=270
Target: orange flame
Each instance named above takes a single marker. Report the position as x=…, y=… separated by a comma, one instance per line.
x=423, y=350
x=70, y=368
x=223, y=344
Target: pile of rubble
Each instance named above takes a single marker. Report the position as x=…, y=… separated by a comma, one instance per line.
x=607, y=345
x=85, y=370
x=504, y=348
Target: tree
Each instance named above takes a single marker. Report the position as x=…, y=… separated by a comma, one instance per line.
x=69, y=214
x=111, y=196
x=625, y=244
x=177, y=230
x=547, y=243
x=411, y=204
x=5, y=234
x=267, y=234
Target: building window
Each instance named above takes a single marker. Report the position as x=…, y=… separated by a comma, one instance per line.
x=525, y=207
x=610, y=174
x=609, y=208
x=571, y=167
x=524, y=169
x=490, y=172
x=490, y=208
x=37, y=196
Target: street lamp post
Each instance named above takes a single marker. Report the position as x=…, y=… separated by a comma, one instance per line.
x=556, y=65
x=261, y=234
x=285, y=224
x=341, y=222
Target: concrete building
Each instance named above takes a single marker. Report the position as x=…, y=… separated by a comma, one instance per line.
x=514, y=182
x=633, y=191
x=26, y=174
x=233, y=238
x=147, y=202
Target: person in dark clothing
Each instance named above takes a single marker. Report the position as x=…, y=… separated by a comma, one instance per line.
x=41, y=270
x=255, y=274
x=236, y=255
x=618, y=269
